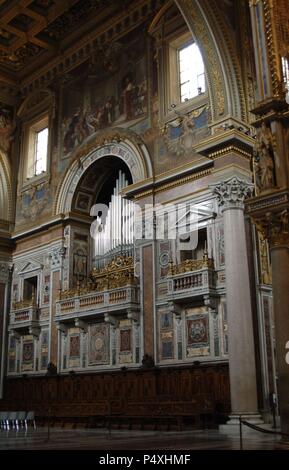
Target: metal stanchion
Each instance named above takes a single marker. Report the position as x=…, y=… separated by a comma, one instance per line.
x=109, y=420
x=241, y=432
x=48, y=425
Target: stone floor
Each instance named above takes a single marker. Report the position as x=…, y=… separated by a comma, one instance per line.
x=102, y=439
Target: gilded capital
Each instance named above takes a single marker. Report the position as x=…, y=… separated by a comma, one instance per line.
x=232, y=192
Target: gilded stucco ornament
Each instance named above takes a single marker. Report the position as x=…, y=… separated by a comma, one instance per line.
x=183, y=144
x=202, y=33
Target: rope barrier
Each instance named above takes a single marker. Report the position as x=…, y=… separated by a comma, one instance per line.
x=265, y=431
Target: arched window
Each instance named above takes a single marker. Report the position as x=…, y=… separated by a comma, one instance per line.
x=191, y=72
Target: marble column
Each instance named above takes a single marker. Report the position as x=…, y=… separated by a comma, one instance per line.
x=243, y=388
x=6, y=270
x=276, y=228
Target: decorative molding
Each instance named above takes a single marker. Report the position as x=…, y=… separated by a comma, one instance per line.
x=274, y=201
x=230, y=149
x=194, y=16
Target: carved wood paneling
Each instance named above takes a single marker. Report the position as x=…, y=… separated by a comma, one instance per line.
x=176, y=390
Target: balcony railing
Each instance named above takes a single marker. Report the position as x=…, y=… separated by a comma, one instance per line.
x=191, y=278
x=111, y=289
x=24, y=313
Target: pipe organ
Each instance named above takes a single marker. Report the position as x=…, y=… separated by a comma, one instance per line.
x=115, y=230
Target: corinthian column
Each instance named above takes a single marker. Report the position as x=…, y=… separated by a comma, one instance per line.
x=230, y=196
x=275, y=225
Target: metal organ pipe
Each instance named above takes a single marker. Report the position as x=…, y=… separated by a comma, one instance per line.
x=117, y=230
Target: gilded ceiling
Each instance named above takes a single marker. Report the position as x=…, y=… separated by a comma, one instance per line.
x=42, y=40
x=33, y=31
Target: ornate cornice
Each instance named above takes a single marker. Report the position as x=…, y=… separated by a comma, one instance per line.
x=232, y=192
x=270, y=213
x=275, y=201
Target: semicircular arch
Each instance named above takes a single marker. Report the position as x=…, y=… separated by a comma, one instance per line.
x=129, y=148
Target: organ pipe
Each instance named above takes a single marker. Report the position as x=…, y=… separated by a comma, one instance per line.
x=115, y=235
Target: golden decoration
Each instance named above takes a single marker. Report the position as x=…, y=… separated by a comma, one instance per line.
x=118, y=273
x=275, y=227
x=25, y=303
x=190, y=265
x=212, y=65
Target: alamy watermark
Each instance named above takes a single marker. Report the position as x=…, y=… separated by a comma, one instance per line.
x=125, y=222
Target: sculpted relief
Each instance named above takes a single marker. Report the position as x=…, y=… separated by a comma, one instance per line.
x=264, y=159
x=181, y=134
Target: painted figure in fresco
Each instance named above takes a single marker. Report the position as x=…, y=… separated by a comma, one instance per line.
x=128, y=98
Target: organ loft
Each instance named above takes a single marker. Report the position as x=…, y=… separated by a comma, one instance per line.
x=144, y=210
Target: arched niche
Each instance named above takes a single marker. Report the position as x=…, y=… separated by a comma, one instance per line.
x=124, y=145
x=5, y=189
x=97, y=183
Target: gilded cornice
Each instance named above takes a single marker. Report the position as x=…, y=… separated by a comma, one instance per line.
x=229, y=150
x=270, y=213
x=174, y=184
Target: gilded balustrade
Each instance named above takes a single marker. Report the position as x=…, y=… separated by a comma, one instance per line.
x=118, y=273
x=190, y=265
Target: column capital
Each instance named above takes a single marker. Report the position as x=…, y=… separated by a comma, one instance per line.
x=232, y=192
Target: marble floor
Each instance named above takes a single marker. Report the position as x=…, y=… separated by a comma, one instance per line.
x=102, y=439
